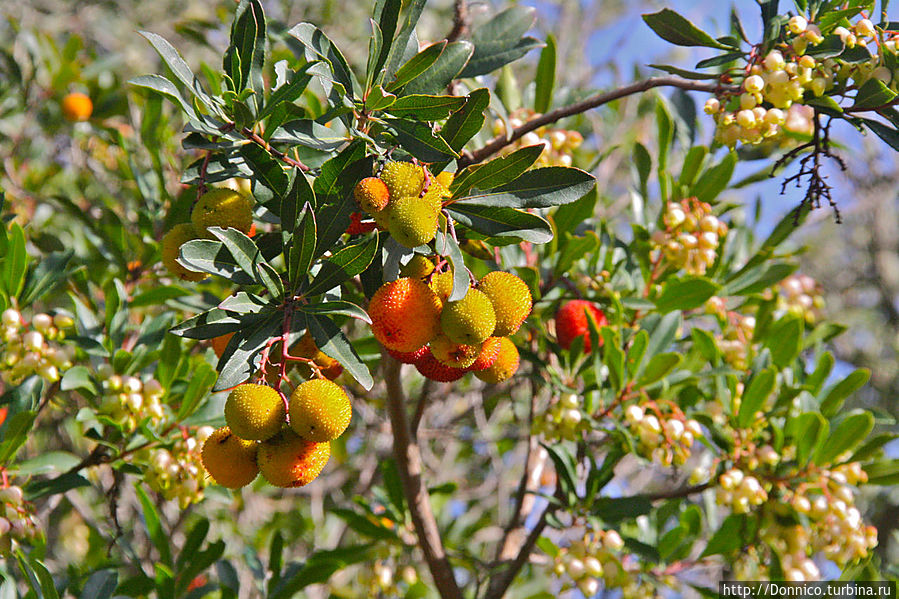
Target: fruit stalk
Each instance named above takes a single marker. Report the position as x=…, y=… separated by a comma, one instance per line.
x=408, y=460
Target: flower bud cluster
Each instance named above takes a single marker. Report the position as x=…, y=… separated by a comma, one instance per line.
x=595, y=557
x=558, y=144
x=128, y=400
x=29, y=348
x=800, y=295
x=666, y=440
x=384, y=579
x=735, y=341
x=178, y=472
x=563, y=420
x=691, y=236
x=17, y=521
x=740, y=491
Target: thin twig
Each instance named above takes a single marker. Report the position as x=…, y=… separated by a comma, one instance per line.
x=501, y=582
x=254, y=137
x=460, y=21
x=408, y=460
x=423, y=398
x=552, y=116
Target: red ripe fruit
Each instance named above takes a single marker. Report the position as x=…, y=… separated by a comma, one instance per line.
x=430, y=367
x=571, y=322
x=409, y=357
x=489, y=354
x=357, y=227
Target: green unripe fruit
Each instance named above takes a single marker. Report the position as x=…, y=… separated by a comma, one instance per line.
x=470, y=320
x=230, y=460
x=224, y=208
x=412, y=221
x=403, y=179
x=436, y=195
x=254, y=412
x=171, y=246
x=417, y=268
x=442, y=285
x=511, y=300
x=457, y=355
x=319, y=411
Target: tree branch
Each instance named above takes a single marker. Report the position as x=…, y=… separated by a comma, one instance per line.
x=498, y=143
x=501, y=582
x=408, y=460
x=460, y=21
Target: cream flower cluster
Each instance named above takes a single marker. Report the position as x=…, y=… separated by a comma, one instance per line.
x=30, y=348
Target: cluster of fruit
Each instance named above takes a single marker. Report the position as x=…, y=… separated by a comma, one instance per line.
x=590, y=558
x=564, y=420
x=780, y=80
x=33, y=348
x=735, y=341
x=418, y=324
x=220, y=207
x=176, y=472
x=691, y=236
x=800, y=295
x=17, y=522
x=128, y=401
x=287, y=441
x=404, y=199
x=558, y=144
x=740, y=491
x=665, y=439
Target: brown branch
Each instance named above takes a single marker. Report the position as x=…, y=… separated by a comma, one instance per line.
x=254, y=137
x=501, y=582
x=460, y=21
x=498, y=143
x=423, y=398
x=678, y=493
x=408, y=460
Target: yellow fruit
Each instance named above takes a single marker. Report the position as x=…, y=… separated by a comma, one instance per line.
x=412, y=221
x=405, y=314
x=77, y=107
x=371, y=194
x=436, y=195
x=171, y=244
x=446, y=178
x=319, y=411
x=511, y=300
x=306, y=348
x=230, y=460
x=288, y=460
x=382, y=217
x=505, y=365
x=417, y=268
x=457, y=355
x=442, y=285
x=254, y=411
x=403, y=179
x=470, y=320
x=224, y=208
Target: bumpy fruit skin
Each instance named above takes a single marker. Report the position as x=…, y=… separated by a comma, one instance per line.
x=403, y=179
x=254, y=411
x=230, y=460
x=456, y=355
x=430, y=367
x=220, y=343
x=445, y=178
x=488, y=354
x=571, y=322
x=371, y=194
x=319, y=411
x=288, y=460
x=409, y=357
x=442, y=284
x=417, y=268
x=436, y=195
x=171, y=245
x=511, y=301
x=77, y=107
x=412, y=221
x=470, y=320
x=224, y=208
x=504, y=367
x=404, y=314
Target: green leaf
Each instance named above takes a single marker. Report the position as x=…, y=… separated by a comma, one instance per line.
x=566, y=470
x=245, y=56
x=15, y=262
x=237, y=362
x=546, y=76
x=499, y=41
x=643, y=166
x=837, y=394
x=538, y=188
x=337, y=307
x=673, y=28
x=405, y=43
x=43, y=586
x=179, y=68
x=615, y=509
x=378, y=99
x=696, y=76
x=442, y=71
x=714, y=180
x=334, y=343
x=417, y=65
x=808, y=431
x=685, y=293
x=502, y=222
x=692, y=163
x=343, y=265
x=249, y=258
x=757, y=392
x=758, y=278
x=447, y=246
x=659, y=366
x=265, y=168
x=295, y=83
x=426, y=108
x=301, y=251
x=872, y=94
x=51, y=462
x=211, y=256
x=496, y=172
x=467, y=121
x=307, y=133
x=78, y=377
x=15, y=433
x=209, y=324
x=885, y=472
x=320, y=47
x=420, y=140
x=785, y=340
x=848, y=434
x=154, y=526
x=363, y=525
x=334, y=194
x=387, y=13
x=730, y=536
x=201, y=381
x=48, y=274
x=884, y=132
x=100, y=585
x=55, y=486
